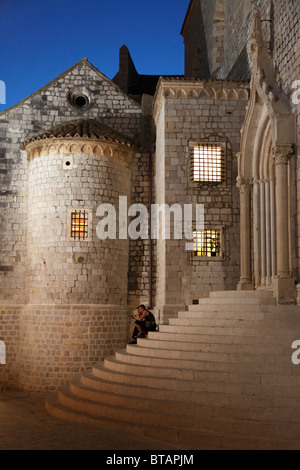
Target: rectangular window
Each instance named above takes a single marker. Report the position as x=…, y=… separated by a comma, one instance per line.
x=207, y=243
x=208, y=163
x=79, y=225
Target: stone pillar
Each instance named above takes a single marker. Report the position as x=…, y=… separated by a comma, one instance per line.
x=284, y=286
x=244, y=185
x=263, y=232
x=273, y=228
x=268, y=234
x=256, y=233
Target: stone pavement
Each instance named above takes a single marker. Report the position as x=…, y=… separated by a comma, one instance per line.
x=25, y=425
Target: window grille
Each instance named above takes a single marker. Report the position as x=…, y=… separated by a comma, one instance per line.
x=207, y=243
x=79, y=225
x=208, y=164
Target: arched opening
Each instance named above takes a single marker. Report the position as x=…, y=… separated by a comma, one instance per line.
x=2, y=353
x=264, y=205
x=267, y=146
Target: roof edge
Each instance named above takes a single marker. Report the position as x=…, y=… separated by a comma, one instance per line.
x=63, y=74
x=186, y=16
x=87, y=129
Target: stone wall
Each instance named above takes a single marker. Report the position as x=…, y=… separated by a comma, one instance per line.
x=280, y=24
x=46, y=109
x=196, y=58
x=10, y=334
x=196, y=112
x=48, y=345
x=61, y=269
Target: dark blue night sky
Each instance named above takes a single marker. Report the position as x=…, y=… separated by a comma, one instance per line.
x=40, y=39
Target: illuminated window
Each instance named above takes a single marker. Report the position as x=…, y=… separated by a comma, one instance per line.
x=208, y=163
x=79, y=224
x=207, y=243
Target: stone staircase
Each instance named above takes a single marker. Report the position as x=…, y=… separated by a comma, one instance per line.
x=220, y=376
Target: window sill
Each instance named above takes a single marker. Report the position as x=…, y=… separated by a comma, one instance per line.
x=214, y=259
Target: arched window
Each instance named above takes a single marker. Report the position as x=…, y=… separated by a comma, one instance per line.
x=218, y=35
x=2, y=353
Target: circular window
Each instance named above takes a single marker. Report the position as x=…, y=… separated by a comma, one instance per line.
x=81, y=99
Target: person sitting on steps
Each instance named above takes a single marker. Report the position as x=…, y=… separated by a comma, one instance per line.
x=149, y=319
x=137, y=329
x=144, y=322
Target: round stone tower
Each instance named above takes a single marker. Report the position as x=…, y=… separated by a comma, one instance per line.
x=76, y=281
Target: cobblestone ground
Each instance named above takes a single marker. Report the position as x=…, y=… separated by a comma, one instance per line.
x=25, y=425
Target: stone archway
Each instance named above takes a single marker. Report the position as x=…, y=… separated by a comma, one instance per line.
x=267, y=142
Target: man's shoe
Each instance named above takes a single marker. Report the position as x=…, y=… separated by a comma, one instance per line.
x=133, y=341
x=141, y=335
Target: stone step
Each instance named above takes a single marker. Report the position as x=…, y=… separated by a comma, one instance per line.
x=59, y=410
x=210, y=362
x=214, y=353
x=241, y=315
x=179, y=420
x=263, y=294
x=268, y=386
x=235, y=301
x=286, y=324
x=217, y=354
x=219, y=376
x=207, y=409
x=186, y=439
x=239, y=330
x=217, y=397
x=212, y=336
x=191, y=341
x=198, y=374
x=243, y=309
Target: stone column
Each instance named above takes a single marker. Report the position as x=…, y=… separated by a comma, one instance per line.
x=256, y=232
x=268, y=235
x=244, y=185
x=273, y=228
x=263, y=233
x=284, y=286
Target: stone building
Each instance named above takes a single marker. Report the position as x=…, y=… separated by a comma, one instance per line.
x=224, y=136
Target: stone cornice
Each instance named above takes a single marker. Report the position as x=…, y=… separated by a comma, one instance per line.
x=68, y=146
x=81, y=136
x=182, y=88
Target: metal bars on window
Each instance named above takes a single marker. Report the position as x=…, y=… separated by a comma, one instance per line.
x=208, y=163
x=207, y=243
x=79, y=225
